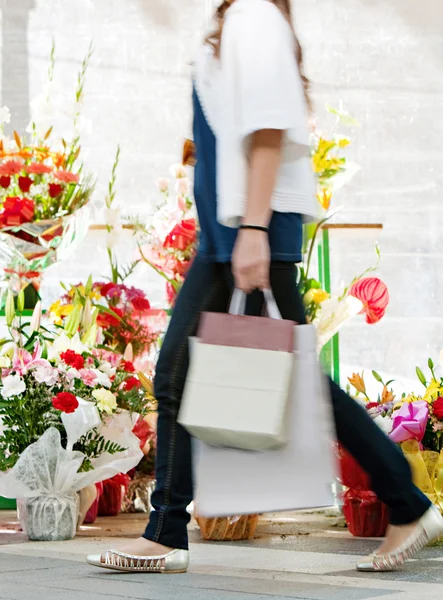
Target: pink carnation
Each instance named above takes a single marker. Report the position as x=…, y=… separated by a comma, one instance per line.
x=38, y=169
x=67, y=176
x=88, y=377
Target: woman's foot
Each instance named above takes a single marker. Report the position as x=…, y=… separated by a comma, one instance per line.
x=144, y=556
x=403, y=542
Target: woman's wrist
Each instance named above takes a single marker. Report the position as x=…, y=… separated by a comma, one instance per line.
x=253, y=227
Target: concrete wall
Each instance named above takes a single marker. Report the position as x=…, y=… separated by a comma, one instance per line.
x=383, y=59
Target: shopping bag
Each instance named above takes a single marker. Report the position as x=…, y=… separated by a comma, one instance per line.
x=238, y=382
x=299, y=475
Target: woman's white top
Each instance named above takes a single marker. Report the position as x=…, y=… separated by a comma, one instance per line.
x=256, y=85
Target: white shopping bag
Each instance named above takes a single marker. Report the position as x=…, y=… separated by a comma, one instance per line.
x=299, y=475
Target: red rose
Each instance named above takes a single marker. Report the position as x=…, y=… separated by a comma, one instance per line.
x=24, y=183
x=131, y=383
x=55, y=189
x=73, y=359
x=5, y=181
x=65, y=402
x=128, y=367
x=141, y=304
x=182, y=236
x=437, y=407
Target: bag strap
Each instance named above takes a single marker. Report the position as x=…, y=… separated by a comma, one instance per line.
x=238, y=304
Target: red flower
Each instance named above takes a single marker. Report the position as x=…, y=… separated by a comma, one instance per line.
x=141, y=304
x=437, y=407
x=73, y=359
x=182, y=267
x=372, y=405
x=182, y=236
x=374, y=295
x=37, y=169
x=24, y=183
x=55, y=189
x=131, y=383
x=11, y=167
x=67, y=176
x=128, y=366
x=65, y=402
x=110, y=290
x=107, y=320
x=5, y=181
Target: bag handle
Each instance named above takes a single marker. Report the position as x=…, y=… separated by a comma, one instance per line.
x=238, y=304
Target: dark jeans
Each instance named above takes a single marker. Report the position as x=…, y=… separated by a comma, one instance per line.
x=208, y=287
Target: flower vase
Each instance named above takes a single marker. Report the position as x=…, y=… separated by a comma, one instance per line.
x=92, y=514
x=228, y=529
x=49, y=518
x=110, y=503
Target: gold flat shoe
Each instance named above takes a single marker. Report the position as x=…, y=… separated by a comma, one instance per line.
x=176, y=561
x=429, y=528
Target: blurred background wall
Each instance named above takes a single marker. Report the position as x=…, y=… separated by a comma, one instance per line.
x=382, y=59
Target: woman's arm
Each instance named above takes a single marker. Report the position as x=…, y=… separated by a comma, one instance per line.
x=251, y=256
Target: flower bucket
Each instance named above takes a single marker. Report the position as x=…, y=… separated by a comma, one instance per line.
x=365, y=515
x=92, y=514
x=228, y=529
x=110, y=503
x=49, y=518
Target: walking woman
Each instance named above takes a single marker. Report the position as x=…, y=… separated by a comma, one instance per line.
x=254, y=187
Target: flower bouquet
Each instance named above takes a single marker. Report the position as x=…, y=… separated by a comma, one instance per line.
x=68, y=418
x=42, y=189
x=168, y=244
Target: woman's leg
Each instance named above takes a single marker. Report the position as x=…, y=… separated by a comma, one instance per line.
x=386, y=465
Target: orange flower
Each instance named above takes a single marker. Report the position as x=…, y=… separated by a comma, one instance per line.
x=358, y=382
x=59, y=160
x=387, y=396
x=325, y=197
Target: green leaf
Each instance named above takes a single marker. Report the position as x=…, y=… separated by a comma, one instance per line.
x=377, y=376
x=88, y=287
x=421, y=376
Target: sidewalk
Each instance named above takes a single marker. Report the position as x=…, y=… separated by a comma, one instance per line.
x=305, y=556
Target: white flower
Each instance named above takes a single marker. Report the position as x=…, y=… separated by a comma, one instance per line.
x=5, y=362
x=385, y=424
x=333, y=314
x=106, y=400
x=107, y=368
x=178, y=171
x=162, y=185
x=5, y=115
x=182, y=186
x=102, y=378
x=47, y=375
x=112, y=216
x=13, y=385
x=38, y=190
x=63, y=343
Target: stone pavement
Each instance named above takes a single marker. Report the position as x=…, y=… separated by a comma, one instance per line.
x=305, y=556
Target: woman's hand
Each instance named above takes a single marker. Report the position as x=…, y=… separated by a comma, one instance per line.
x=251, y=260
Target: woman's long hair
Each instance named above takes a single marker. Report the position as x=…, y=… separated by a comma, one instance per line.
x=214, y=38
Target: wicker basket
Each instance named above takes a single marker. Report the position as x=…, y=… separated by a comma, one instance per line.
x=228, y=529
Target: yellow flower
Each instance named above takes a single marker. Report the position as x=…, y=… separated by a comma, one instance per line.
x=358, y=382
x=324, y=197
x=315, y=296
x=106, y=400
x=59, y=311
x=434, y=390
x=343, y=142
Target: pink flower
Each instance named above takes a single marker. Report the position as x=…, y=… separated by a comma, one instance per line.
x=11, y=167
x=46, y=374
x=88, y=377
x=23, y=360
x=38, y=169
x=374, y=295
x=67, y=176
x=163, y=185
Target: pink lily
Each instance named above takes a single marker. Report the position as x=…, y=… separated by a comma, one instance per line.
x=23, y=360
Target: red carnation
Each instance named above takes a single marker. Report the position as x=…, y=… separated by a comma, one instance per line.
x=24, y=183
x=141, y=304
x=128, y=366
x=437, y=407
x=110, y=290
x=372, y=405
x=131, y=383
x=182, y=236
x=374, y=295
x=55, y=189
x=73, y=359
x=5, y=181
x=65, y=402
